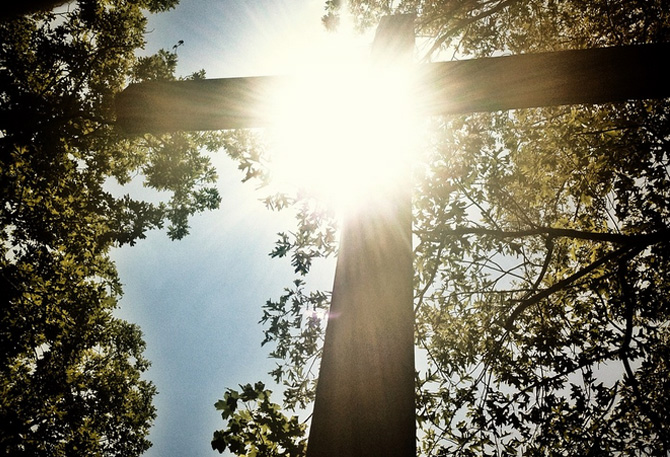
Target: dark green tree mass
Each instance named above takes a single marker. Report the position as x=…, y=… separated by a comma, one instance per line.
x=542, y=251
x=70, y=372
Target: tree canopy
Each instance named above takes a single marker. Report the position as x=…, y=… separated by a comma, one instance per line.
x=541, y=250
x=71, y=373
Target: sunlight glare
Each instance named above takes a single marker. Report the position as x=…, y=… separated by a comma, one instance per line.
x=344, y=130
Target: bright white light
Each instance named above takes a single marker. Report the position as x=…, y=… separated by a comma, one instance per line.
x=343, y=131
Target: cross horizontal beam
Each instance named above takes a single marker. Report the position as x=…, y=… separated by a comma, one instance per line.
x=487, y=84
x=587, y=76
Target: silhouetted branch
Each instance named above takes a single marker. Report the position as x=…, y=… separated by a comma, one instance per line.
x=560, y=285
x=629, y=312
x=618, y=238
x=547, y=261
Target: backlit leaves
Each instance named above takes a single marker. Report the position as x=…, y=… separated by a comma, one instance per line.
x=256, y=426
x=70, y=372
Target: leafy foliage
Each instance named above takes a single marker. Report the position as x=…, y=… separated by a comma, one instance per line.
x=295, y=323
x=534, y=305
x=259, y=430
x=541, y=254
x=70, y=372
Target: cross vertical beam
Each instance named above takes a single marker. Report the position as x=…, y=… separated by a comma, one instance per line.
x=365, y=393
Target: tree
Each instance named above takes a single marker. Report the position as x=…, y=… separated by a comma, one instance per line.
x=71, y=372
x=541, y=256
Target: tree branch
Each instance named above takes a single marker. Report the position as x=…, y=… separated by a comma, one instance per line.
x=617, y=238
x=528, y=302
x=629, y=312
x=545, y=265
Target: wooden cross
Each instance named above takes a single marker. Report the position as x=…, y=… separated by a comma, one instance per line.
x=365, y=394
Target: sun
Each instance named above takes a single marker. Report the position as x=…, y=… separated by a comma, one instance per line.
x=343, y=130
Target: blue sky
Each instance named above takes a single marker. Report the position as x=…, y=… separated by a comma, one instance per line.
x=198, y=300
